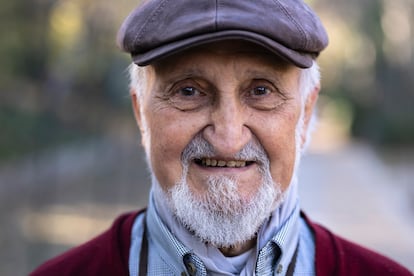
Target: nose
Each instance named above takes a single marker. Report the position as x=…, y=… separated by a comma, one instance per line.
x=227, y=131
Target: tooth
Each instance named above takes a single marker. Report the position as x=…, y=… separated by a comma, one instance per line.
x=208, y=162
x=241, y=163
x=213, y=162
x=203, y=162
x=221, y=163
x=231, y=164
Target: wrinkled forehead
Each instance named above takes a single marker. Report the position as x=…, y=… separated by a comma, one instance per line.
x=250, y=55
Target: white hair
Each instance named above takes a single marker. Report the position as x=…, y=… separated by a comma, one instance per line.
x=310, y=79
x=137, y=79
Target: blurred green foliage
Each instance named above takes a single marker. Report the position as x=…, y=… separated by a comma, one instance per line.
x=62, y=76
x=370, y=64
x=24, y=133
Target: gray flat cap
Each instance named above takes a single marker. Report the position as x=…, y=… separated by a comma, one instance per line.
x=159, y=28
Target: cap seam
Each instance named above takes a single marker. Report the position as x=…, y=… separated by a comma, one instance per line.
x=149, y=20
x=298, y=26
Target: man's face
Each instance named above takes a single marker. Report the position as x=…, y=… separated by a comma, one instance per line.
x=230, y=94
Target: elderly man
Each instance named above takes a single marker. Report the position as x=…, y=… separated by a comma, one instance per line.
x=223, y=93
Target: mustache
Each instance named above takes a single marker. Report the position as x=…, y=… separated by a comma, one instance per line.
x=200, y=148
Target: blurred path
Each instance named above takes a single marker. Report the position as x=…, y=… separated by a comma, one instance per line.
x=355, y=194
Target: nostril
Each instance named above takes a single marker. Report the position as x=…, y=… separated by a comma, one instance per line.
x=226, y=139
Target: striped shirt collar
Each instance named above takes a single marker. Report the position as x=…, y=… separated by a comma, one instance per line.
x=169, y=247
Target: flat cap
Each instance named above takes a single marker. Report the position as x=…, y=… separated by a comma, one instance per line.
x=159, y=28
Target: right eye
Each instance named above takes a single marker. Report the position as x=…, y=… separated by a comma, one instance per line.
x=188, y=97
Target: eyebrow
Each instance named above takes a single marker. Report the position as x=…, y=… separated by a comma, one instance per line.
x=178, y=73
x=277, y=76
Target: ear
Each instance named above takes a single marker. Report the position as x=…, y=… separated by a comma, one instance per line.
x=136, y=106
x=308, y=113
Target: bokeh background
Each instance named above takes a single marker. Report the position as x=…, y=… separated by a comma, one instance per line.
x=70, y=156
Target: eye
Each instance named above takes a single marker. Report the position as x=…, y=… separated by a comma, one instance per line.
x=188, y=96
x=263, y=95
x=189, y=91
x=260, y=91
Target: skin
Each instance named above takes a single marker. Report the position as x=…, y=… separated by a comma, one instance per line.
x=229, y=92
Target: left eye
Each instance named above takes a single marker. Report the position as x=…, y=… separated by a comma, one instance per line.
x=189, y=91
x=260, y=91
x=264, y=96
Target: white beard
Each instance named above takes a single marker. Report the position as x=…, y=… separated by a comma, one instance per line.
x=221, y=216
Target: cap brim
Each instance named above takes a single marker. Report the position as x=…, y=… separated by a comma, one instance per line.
x=302, y=60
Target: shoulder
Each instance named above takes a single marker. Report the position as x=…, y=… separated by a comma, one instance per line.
x=338, y=256
x=106, y=254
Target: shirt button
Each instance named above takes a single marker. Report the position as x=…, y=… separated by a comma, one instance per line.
x=279, y=269
x=191, y=268
x=183, y=273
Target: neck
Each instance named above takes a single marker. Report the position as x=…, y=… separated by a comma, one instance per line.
x=238, y=249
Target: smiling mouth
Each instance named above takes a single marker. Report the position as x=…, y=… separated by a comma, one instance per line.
x=209, y=162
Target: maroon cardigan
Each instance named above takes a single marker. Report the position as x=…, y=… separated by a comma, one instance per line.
x=108, y=254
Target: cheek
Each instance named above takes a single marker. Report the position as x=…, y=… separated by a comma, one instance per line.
x=170, y=134
x=281, y=148
x=165, y=152
x=282, y=160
